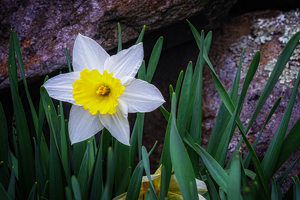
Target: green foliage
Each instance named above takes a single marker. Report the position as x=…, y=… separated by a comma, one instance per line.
x=109, y=169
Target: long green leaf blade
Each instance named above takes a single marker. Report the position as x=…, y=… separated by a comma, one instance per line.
x=181, y=163
x=154, y=58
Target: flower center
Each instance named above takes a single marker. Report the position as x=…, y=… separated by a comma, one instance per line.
x=103, y=90
x=97, y=92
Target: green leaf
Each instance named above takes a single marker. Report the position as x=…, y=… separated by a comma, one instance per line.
x=68, y=192
x=25, y=152
x=107, y=194
x=141, y=36
x=133, y=190
x=178, y=84
x=213, y=194
x=274, y=193
x=234, y=181
x=286, y=172
x=68, y=59
x=215, y=170
x=3, y=193
x=225, y=138
x=119, y=38
x=4, y=149
x=13, y=74
x=96, y=176
x=136, y=138
x=122, y=161
x=296, y=188
x=83, y=173
x=147, y=170
x=290, y=144
x=166, y=164
x=39, y=172
x=271, y=156
x=45, y=193
x=21, y=66
x=248, y=156
x=149, y=195
x=124, y=182
x=222, y=194
x=33, y=192
x=76, y=188
x=181, y=163
x=277, y=70
x=183, y=106
x=164, y=112
x=78, y=154
x=11, y=188
x=142, y=71
x=154, y=58
x=55, y=167
x=65, y=143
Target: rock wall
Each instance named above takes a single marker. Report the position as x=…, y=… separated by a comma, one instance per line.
x=45, y=28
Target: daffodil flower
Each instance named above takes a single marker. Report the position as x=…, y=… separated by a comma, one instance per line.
x=103, y=90
x=174, y=191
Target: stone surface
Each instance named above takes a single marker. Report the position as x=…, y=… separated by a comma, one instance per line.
x=45, y=28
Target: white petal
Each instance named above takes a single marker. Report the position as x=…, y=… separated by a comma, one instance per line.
x=82, y=124
x=200, y=197
x=141, y=96
x=117, y=123
x=126, y=80
x=126, y=62
x=201, y=187
x=60, y=87
x=87, y=53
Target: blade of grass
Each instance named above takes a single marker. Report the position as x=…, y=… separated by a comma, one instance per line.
x=181, y=163
x=222, y=116
x=166, y=163
x=289, y=145
x=33, y=192
x=25, y=153
x=119, y=38
x=3, y=193
x=234, y=180
x=141, y=36
x=21, y=66
x=55, y=166
x=178, y=84
x=286, y=172
x=124, y=182
x=184, y=100
x=76, y=188
x=83, y=173
x=96, y=176
x=225, y=138
x=248, y=156
x=154, y=58
x=277, y=70
x=147, y=170
x=68, y=59
x=271, y=156
x=3, y=137
x=121, y=160
x=107, y=193
x=213, y=194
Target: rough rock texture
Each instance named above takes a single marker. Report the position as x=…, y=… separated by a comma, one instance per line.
x=45, y=28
